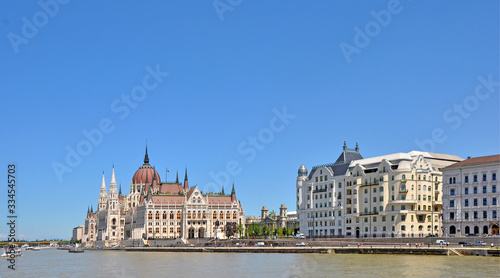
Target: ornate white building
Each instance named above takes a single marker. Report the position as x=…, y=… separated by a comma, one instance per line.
x=395, y=195
x=159, y=210
x=471, y=200
x=320, y=196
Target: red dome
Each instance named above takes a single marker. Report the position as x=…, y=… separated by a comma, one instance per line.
x=145, y=174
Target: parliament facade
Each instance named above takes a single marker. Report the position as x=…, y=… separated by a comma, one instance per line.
x=159, y=210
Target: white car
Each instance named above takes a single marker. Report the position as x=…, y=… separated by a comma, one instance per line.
x=300, y=244
x=300, y=236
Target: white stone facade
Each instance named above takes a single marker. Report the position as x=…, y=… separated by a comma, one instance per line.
x=471, y=199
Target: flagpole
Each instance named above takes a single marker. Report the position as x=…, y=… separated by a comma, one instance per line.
x=166, y=174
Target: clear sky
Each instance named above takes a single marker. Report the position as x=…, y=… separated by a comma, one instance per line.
x=236, y=91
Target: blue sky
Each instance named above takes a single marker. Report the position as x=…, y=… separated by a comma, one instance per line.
x=389, y=75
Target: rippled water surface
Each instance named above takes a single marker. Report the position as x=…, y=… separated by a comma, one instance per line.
x=59, y=263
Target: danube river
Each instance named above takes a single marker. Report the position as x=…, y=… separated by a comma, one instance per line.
x=120, y=264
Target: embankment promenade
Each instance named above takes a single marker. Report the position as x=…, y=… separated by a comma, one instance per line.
x=398, y=250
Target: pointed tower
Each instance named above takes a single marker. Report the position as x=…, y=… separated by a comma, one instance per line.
x=177, y=177
x=88, y=210
x=186, y=183
x=103, y=196
x=222, y=192
x=233, y=194
x=146, y=158
x=120, y=191
x=91, y=209
x=113, y=216
x=357, y=147
x=345, y=145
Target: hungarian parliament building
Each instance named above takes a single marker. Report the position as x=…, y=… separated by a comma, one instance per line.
x=159, y=210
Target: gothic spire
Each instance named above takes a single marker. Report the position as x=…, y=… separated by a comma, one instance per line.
x=357, y=147
x=103, y=184
x=91, y=209
x=177, y=177
x=345, y=145
x=232, y=191
x=120, y=192
x=113, y=176
x=88, y=210
x=186, y=183
x=222, y=193
x=146, y=158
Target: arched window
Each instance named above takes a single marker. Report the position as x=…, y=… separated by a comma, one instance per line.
x=221, y=215
x=150, y=216
x=214, y=215
x=403, y=177
x=403, y=228
x=234, y=215
x=171, y=215
x=189, y=214
x=228, y=215
x=164, y=215
x=178, y=215
x=157, y=215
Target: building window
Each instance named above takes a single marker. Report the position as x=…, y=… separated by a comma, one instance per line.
x=466, y=216
x=475, y=214
x=493, y=188
x=475, y=202
x=494, y=214
x=452, y=203
x=466, y=190
x=494, y=176
x=454, y=180
x=485, y=201
x=475, y=189
x=484, y=177
x=452, y=191
x=466, y=179
x=452, y=215
x=485, y=214
x=494, y=201
x=475, y=178
x=466, y=202
x=484, y=189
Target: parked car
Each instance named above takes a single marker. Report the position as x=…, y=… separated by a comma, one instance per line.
x=300, y=244
x=440, y=241
x=277, y=244
x=300, y=236
x=260, y=244
x=464, y=243
x=208, y=244
x=191, y=245
x=479, y=243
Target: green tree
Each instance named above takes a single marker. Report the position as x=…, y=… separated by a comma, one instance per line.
x=240, y=229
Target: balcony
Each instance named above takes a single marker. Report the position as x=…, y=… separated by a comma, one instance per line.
x=403, y=181
x=403, y=190
x=319, y=190
x=369, y=213
x=369, y=184
x=403, y=202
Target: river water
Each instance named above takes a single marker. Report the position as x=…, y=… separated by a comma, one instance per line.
x=120, y=264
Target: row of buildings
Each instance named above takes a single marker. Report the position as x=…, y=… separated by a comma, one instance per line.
x=413, y=194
